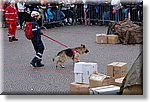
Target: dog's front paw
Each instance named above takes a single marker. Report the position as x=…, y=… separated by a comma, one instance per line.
x=62, y=66
x=77, y=61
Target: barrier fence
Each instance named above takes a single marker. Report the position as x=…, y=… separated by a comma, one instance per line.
x=88, y=14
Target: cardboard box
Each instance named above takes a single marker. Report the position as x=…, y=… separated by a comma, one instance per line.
x=117, y=69
x=112, y=39
x=105, y=90
x=101, y=38
x=82, y=71
x=97, y=80
x=110, y=68
x=118, y=81
x=79, y=89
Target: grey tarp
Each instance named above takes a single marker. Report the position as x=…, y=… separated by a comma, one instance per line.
x=135, y=74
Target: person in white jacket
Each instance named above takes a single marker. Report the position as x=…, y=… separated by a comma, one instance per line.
x=21, y=12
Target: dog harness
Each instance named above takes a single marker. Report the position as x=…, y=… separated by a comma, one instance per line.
x=74, y=51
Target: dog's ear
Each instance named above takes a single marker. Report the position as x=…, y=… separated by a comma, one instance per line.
x=82, y=45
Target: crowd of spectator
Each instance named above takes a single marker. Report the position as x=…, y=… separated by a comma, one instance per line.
x=76, y=13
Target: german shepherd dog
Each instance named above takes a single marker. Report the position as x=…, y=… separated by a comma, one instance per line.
x=72, y=53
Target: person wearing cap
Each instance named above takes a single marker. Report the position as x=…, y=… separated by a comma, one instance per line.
x=11, y=20
x=36, y=40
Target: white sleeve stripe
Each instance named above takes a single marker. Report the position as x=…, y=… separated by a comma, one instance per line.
x=34, y=29
x=39, y=54
x=38, y=57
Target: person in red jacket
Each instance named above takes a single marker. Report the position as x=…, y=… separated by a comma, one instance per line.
x=11, y=20
x=2, y=9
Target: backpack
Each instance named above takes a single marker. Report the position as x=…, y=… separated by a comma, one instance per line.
x=28, y=30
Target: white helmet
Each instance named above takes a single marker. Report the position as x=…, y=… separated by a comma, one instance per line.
x=35, y=13
x=12, y=1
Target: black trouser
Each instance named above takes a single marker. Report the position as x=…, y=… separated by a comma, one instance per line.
x=21, y=17
x=38, y=47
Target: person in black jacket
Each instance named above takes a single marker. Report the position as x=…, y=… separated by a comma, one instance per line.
x=36, y=40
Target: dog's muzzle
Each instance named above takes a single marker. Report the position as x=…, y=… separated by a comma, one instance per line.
x=86, y=51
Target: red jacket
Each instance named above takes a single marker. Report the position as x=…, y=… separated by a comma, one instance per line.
x=10, y=14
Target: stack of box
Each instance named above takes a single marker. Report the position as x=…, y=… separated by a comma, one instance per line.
x=117, y=69
x=82, y=71
x=101, y=84
x=89, y=81
x=106, y=39
x=110, y=84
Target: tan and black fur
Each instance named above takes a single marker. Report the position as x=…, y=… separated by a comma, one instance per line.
x=73, y=54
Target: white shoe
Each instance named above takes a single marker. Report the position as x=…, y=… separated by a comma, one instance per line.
x=18, y=26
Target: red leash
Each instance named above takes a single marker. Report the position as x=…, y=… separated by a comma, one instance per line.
x=59, y=43
x=55, y=41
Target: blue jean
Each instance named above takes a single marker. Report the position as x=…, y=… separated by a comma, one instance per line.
x=126, y=13
x=106, y=16
x=117, y=16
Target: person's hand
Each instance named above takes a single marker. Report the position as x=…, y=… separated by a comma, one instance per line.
x=10, y=26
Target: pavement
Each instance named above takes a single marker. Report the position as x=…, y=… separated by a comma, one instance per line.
x=21, y=78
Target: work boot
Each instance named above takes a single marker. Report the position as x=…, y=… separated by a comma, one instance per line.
x=10, y=39
x=14, y=39
x=21, y=27
x=39, y=64
x=34, y=62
